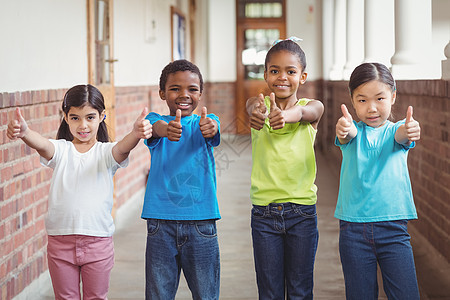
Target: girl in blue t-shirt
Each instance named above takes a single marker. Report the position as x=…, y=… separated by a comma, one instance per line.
x=375, y=199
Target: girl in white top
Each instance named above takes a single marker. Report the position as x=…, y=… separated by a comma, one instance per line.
x=79, y=222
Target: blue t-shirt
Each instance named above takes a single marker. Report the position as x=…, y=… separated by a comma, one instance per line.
x=374, y=184
x=182, y=180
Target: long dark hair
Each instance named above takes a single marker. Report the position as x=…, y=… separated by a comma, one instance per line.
x=79, y=96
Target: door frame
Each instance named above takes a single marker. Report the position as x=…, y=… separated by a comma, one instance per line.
x=250, y=87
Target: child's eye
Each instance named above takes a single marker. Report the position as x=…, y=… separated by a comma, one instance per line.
x=193, y=90
x=174, y=89
x=380, y=99
x=91, y=117
x=292, y=72
x=74, y=118
x=274, y=71
x=361, y=100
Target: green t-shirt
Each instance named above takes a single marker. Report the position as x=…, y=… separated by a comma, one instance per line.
x=284, y=164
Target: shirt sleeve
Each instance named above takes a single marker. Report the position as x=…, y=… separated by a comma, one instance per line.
x=153, y=118
x=52, y=162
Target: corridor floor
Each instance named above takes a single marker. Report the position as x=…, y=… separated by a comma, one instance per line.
x=233, y=164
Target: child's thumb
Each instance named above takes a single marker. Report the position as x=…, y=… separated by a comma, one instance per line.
x=144, y=113
x=409, y=114
x=345, y=113
x=178, y=116
x=204, y=113
x=273, y=104
x=19, y=114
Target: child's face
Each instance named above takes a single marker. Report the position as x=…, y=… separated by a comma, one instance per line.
x=182, y=92
x=284, y=74
x=373, y=101
x=83, y=123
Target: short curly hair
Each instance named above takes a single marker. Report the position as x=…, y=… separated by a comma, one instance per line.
x=176, y=66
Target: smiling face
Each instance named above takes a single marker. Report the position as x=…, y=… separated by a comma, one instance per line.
x=373, y=101
x=83, y=124
x=284, y=74
x=182, y=91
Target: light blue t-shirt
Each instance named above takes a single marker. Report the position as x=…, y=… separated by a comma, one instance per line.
x=182, y=179
x=374, y=184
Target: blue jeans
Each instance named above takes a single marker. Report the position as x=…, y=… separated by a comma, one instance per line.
x=189, y=245
x=285, y=238
x=363, y=245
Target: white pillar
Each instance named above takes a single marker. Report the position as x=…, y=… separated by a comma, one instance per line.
x=355, y=36
x=446, y=63
x=412, y=58
x=339, y=42
x=327, y=37
x=378, y=31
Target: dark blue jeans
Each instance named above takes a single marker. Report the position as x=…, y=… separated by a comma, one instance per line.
x=188, y=245
x=285, y=238
x=364, y=245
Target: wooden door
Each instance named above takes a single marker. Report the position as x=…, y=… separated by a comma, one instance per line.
x=259, y=24
x=101, y=56
x=101, y=61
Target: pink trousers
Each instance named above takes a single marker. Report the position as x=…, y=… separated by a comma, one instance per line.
x=75, y=257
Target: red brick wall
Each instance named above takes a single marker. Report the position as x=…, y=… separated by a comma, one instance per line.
x=429, y=161
x=219, y=98
x=24, y=185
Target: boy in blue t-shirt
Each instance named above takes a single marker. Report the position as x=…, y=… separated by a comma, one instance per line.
x=180, y=203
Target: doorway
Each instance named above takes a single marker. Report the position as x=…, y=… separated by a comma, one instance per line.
x=259, y=24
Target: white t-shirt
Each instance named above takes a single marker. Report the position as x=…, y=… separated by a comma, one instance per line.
x=81, y=190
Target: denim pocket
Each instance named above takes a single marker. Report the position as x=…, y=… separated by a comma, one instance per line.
x=152, y=226
x=206, y=228
x=258, y=212
x=307, y=211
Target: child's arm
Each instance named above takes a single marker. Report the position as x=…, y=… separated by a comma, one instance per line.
x=345, y=128
x=311, y=113
x=18, y=128
x=257, y=111
x=408, y=132
x=142, y=129
x=171, y=130
x=208, y=126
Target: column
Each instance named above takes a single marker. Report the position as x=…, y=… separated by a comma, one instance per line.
x=355, y=36
x=446, y=63
x=339, y=42
x=379, y=31
x=327, y=38
x=412, y=58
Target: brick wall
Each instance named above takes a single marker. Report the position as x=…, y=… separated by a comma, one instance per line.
x=24, y=188
x=219, y=98
x=429, y=161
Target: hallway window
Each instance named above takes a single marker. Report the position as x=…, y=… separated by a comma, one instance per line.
x=257, y=41
x=260, y=9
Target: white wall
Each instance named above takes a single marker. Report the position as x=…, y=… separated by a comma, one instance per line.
x=43, y=44
x=441, y=27
x=222, y=41
x=142, y=51
x=303, y=21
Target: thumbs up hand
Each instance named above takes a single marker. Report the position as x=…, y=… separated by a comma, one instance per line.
x=208, y=126
x=345, y=129
x=142, y=127
x=17, y=127
x=258, y=114
x=412, y=126
x=276, y=115
x=174, y=128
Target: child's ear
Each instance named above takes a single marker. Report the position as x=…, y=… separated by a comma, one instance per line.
x=162, y=94
x=394, y=96
x=102, y=116
x=303, y=78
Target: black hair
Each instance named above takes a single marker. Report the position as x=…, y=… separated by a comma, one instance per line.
x=79, y=96
x=176, y=66
x=290, y=46
x=370, y=71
